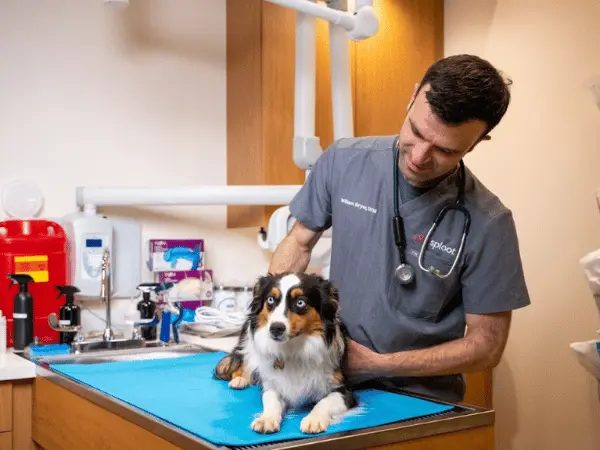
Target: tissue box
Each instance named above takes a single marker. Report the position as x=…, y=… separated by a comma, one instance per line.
x=175, y=254
x=205, y=275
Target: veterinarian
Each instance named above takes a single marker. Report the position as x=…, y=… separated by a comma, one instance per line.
x=421, y=309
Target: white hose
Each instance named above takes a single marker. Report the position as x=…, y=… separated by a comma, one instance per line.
x=221, y=319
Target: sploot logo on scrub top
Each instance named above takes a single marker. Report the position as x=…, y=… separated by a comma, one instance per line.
x=435, y=245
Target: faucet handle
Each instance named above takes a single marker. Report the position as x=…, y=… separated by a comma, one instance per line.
x=56, y=326
x=137, y=334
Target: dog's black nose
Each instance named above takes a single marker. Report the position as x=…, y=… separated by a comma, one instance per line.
x=277, y=329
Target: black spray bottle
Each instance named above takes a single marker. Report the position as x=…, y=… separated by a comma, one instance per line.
x=22, y=313
x=147, y=309
x=70, y=313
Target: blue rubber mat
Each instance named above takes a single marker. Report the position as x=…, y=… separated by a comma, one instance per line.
x=183, y=392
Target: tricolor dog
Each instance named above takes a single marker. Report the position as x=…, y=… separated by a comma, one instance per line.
x=293, y=346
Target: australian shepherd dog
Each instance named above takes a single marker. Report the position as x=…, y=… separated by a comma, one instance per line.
x=293, y=345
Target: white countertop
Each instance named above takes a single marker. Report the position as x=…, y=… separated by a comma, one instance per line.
x=13, y=367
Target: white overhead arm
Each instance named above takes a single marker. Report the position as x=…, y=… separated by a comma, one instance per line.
x=359, y=25
x=186, y=195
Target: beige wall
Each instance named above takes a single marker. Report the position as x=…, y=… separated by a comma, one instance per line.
x=544, y=162
x=136, y=97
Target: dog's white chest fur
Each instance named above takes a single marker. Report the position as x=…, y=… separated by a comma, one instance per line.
x=308, y=368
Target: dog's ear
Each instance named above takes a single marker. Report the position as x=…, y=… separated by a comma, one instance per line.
x=329, y=308
x=330, y=299
x=258, y=293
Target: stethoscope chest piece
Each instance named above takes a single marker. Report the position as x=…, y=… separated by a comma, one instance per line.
x=404, y=273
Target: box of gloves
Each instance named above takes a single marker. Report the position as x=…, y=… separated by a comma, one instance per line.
x=175, y=254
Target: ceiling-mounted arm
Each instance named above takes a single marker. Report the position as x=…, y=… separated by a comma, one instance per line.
x=361, y=24
x=306, y=147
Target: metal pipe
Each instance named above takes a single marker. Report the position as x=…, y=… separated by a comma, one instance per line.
x=305, y=75
x=188, y=195
x=341, y=18
x=105, y=288
x=341, y=80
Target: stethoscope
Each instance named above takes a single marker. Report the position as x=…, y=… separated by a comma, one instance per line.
x=405, y=272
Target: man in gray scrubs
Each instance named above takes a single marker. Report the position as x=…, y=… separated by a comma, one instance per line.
x=422, y=336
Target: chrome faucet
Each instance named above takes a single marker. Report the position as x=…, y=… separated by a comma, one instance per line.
x=105, y=277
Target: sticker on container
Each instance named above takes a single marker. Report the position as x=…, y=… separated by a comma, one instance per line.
x=34, y=266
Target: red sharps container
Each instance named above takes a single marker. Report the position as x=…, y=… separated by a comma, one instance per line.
x=38, y=248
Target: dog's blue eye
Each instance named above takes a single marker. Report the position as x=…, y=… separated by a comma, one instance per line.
x=300, y=303
x=270, y=300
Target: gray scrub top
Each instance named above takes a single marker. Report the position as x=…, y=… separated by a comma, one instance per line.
x=350, y=189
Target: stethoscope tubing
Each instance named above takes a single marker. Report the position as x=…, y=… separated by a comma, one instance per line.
x=398, y=223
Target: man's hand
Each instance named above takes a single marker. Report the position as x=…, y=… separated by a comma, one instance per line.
x=362, y=364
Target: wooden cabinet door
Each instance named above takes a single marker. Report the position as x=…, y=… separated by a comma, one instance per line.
x=6, y=407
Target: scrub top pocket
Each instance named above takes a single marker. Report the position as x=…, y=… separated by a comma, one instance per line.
x=428, y=294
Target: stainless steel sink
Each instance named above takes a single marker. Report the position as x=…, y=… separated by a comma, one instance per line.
x=151, y=350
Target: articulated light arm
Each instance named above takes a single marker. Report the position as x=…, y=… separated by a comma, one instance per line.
x=360, y=25
x=306, y=147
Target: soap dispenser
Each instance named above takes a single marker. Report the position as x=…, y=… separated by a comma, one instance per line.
x=70, y=313
x=22, y=312
x=147, y=309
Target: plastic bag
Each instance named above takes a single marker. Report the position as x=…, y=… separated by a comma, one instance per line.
x=588, y=355
x=590, y=264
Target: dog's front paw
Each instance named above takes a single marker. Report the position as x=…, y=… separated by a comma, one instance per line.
x=239, y=383
x=266, y=424
x=315, y=423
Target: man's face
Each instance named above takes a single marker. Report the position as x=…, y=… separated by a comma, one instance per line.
x=430, y=149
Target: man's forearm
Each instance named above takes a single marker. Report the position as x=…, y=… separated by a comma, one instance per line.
x=480, y=349
x=458, y=356
x=289, y=256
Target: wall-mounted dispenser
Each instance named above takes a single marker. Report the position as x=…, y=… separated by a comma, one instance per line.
x=88, y=233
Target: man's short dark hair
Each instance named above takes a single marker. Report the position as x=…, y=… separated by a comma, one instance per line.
x=467, y=87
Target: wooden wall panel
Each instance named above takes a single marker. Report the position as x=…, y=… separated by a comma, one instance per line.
x=260, y=102
x=324, y=109
x=279, y=42
x=389, y=64
x=244, y=102
x=260, y=86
